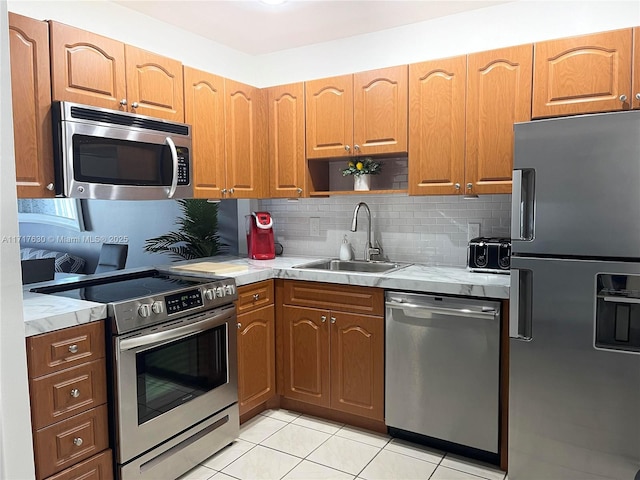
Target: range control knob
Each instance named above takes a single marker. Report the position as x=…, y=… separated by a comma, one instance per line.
x=210, y=294
x=144, y=310
x=229, y=289
x=157, y=307
x=220, y=292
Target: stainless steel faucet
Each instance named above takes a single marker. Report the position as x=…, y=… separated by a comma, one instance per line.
x=369, y=249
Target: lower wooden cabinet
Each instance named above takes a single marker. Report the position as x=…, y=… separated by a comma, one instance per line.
x=98, y=467
x=256, y=345
x=333, y=358
x=67, y=383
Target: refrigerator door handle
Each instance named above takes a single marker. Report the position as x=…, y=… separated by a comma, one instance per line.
x=522, y=205
x=520, y=307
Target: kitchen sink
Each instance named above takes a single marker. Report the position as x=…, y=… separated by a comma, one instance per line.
x=359, y=266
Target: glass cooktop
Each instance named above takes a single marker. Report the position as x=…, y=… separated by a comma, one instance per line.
x=117, y=288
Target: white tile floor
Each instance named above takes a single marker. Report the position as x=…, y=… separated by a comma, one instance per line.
x=279, y=444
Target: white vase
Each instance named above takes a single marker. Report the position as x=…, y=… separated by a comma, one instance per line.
x=361, y=182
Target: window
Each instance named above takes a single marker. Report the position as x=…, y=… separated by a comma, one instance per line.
x=63, y=212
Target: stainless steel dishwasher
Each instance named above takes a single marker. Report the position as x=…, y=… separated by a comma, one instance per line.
x=442, y=370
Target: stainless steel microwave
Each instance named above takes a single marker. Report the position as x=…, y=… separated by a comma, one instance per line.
x=112, y=155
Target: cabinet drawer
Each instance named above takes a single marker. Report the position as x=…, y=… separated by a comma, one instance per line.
x=344, y=298
x=98, y=467
x=70, y=441
x=256, y=295
x=65, y=348
x=64, y=394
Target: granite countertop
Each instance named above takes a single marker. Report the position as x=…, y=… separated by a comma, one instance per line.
x=46, y=313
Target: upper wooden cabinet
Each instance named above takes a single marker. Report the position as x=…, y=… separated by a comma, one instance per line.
x=436, y=126
x=94, y=70
x=498, y=95
x=228, y=121
x=204, y=111
x=286, y=141
x=585, y=74
x=245, y=141
x=154, y=84
x=461, y=117
x=31, y=96
x=360, y=114
x=635, y=92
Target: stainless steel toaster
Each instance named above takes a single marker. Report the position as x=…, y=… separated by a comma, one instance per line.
x=489, y=255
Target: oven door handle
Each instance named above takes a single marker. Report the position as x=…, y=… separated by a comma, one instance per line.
x=154, y=339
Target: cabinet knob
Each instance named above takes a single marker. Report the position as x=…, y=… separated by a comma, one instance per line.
x=299, y=190
x=457, y=186
x=239, y=325
x=232, y=190
x=469, y=186
x=333, y=319
x=75, y=393
x=637, y=96
x=356, y=148
x=256, y=296
x=134, y=105
x=50, y=187
x=223, y=191
x=77, y=441
x=623, y=98
x=347, y=148
x=323, y=318
x=123, y=102
x=73, y=348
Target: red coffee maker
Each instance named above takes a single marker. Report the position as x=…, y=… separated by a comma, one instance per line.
x=260, y=245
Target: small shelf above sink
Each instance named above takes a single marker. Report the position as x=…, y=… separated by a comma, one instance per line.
x=359, y=266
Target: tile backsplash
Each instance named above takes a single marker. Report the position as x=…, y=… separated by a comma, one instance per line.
x=430, y=229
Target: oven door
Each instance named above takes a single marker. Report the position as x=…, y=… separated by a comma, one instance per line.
x=172, y=376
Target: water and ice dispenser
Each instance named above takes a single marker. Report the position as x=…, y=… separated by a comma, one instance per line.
x=618, y=312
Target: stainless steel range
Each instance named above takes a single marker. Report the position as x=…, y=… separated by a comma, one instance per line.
x=173, y=381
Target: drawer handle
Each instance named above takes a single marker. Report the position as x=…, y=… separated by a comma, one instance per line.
x=73, y=348
x=77, y=441
x=75, y=393
x=256, y=296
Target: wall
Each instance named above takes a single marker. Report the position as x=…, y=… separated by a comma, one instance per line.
x=16, y=457
x=502, y=25
x=131, y=222
x=115, y=21
x=430, y=230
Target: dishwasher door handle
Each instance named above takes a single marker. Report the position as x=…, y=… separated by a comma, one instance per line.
x=457, y=312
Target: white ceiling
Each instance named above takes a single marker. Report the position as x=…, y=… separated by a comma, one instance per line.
x=255, y=28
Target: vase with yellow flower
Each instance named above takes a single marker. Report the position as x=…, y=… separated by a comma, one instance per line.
x=362, y=169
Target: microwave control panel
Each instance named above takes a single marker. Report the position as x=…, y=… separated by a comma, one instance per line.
x=183, y=165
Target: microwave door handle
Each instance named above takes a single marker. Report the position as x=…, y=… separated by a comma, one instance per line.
x=174, y=157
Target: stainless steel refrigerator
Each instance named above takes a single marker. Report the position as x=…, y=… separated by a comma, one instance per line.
x=574, y=383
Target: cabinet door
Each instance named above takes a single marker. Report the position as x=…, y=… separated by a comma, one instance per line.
x=256, y=358
x=246, y=141
x=286, y=141
x=306, y=355
x=87, y=68
x=357, y=364
x=329, y=117
x=380, y=111
x=635, y=92
x=204, y=111
x=98, y=467
x=498, y=95
x=154, y=84
x=436, y=126
x=31, y=96
x=583, y=74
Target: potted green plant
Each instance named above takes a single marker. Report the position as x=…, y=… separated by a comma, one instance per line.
x=196, y=236
x=362, y=169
